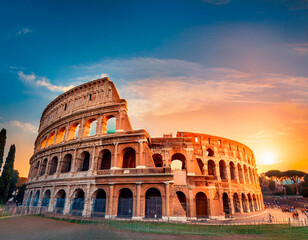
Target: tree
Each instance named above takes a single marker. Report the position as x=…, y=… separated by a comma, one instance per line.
x=272, y=185
x=273, y=174
x=2, y=145
x=13, y=184
x=6, y=176
x=294, y=176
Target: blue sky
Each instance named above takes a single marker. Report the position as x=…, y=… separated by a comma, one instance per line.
x=245, y=52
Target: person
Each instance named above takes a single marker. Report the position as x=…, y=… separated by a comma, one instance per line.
x=270, y=218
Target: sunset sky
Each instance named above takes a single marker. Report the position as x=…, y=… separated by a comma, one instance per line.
x=236, y=69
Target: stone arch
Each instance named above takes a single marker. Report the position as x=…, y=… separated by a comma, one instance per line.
x=51, y=139
x=104, y=159
x=210, y=152
x=60, y=135
x=236, y=203
x=78, y=202
x=29, y=199
x=43, y=145
x=177, y=165
x=182, y=199
x=99, y=203
x=84, y=161
x=244, y=202
x=222, y=169
x=232, y=170
x=153, y=203
x=67, y=163
x=158, y=160
x=125, y=203
x=109, y=124
x=35, y=169
x=60, y=201
x=240, y=172
x=201, y=165
x=250, y=175
x=250, y=202
x=46, y=199
x=201, y=205
x=74, y=131
x=43, y=166
x=53, y=165
x=211, y=168
x=246, y=174
x=225, y=202
x=254, y=202
x=129, y=158
x=90, y=127
x=36, y=199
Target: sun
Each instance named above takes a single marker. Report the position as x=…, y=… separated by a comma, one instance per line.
x=268, y=158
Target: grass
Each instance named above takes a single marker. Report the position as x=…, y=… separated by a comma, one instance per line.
x=265, y=231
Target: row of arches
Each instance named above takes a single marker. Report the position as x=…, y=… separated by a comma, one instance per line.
x=153, y=202
x=75, y=130
x=82, y=162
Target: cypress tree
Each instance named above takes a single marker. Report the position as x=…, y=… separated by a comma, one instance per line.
x=6, y=176
x=2, y=145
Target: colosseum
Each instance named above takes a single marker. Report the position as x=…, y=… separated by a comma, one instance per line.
x=88, y=161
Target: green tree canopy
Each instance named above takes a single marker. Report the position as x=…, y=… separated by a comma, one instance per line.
x=294, y=176
x=274, y=174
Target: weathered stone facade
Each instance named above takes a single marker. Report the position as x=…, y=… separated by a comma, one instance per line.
x=80, y=167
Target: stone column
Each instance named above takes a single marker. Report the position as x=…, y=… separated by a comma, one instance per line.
x=241, y=204
x=68, y=198
x=228, y=169
x=119, y=121
x=59, y=165
x=81, y=128
x=140, y=163
x=138, y=191
x=190, y=201
x=231, y=205
x=114, y=159
x=167, y=212
x=217, y=171
x=110, y=203
x=67, y=129
x=99, y=126
x=52, y=199
x=93, y=163
x=237, y=179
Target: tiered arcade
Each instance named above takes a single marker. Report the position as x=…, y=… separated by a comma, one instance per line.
x=88, y=161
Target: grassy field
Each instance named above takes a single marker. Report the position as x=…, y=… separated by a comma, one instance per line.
x=255, y=231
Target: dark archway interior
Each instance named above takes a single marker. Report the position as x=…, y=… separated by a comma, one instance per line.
x=153, y=204
x=125, y=204
x=201, y=205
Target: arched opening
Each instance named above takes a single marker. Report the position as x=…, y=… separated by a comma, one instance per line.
x=46, y=199
x=240, y=172
x=78, y=203
x=84, y=161
x=244, y=202
x=246, y=174
x=36, y=168
x=250, y=202
x=232, y=170
x=222, y=169
x=99, y=204
x=209, y=152
x=182, y=199
x=178, y=157
x=36, y=199
x=225, y=202
x=44, y=143
x=153, y=203
x=125, y=203
x=158, y=160
x=201, y=165
x=60, y=135
x=211, y=168
x=74, y=131
x=53, y=165
x=90, y=127
x=201, y=205
x=67, y=162
x=105, y=157
x=43, y=167
x=109, y=124
x=51, y=138
x=255, y=202
x=250, y=175
x=29, y=199
x=60, y=201
x=236, y=203
x=129, y=158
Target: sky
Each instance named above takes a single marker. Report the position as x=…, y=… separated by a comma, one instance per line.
x=231, y=68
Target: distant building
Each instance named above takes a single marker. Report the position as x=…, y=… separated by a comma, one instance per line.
x=88, y=161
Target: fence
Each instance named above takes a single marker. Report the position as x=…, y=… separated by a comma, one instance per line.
x=95, y=217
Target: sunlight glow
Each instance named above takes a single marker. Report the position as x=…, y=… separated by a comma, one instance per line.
x=268, y=158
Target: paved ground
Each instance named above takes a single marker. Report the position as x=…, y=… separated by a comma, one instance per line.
x=36, y=228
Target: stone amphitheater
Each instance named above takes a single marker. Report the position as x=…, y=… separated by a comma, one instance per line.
x=88, y=161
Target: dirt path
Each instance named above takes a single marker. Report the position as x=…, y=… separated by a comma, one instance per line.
x=36, y=228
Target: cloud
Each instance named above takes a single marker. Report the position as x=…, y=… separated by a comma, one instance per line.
x=166, y=86
x=217, y=2
x=34, y=80
x=24, y=31
x=299, y=48
x=28, y=127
